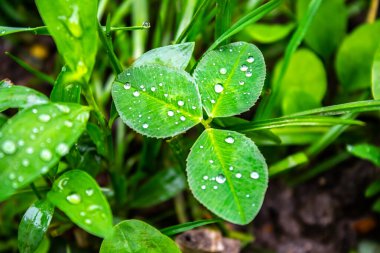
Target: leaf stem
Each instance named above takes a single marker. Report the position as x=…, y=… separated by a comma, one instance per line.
x=34, y=189
x=372, y=12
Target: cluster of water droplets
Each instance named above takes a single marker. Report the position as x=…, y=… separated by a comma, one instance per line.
x=10, y=147
x=170, y=112
x=87, y=208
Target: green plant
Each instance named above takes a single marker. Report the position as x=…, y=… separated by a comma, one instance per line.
x=61, y=148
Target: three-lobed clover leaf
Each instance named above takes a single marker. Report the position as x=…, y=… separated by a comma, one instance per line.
x=228, y=174
x=157, y=101
x=225, y=169
x=230, y=79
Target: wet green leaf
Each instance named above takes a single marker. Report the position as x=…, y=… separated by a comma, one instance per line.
x=73, y=26
x=328, y=27
x=230, y=79
x=157, y=101
x=133, y=236
x=34, y=225
x=14, y=96
x=355, y=56
x=376, y=74
x=159, y=188
x=65, y=89
x=175, y=56
x=309, y=87
x=227, y=174
x=366, y=151
x=269, y=33
x=34, y=140
x=78, y=195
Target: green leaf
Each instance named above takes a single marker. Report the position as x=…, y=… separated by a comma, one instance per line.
x=376, y=74
x=73, y=26
x=230, y=79
x=175, y=56
x=78, y=195
x=309, y=88
x=3, y=119
x=6, y=30
x=98, y=137
x=355, y=57
x=289, y=162
x=14, y=96
x=228, y=175
x=366, y=151
x=157, y=101
x=328, y=27
x=180, y=228
x=33, y=141
x=133, y=236
x=373, y=189
x=269, y=33
x=34, y=225
x=65, y=89
x=159, y=188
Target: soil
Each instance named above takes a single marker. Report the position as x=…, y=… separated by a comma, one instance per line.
x=328, y=214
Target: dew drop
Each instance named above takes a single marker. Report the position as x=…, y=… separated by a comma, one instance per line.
x=89, y=191
x=220, y=179
x=223, y=71
x=203, y=187
x=215, y=187
x=12, y=176
x=247, y=195
x=211, y=161
x=8, y=147
x=250, y=59
x=127, y=86
x=21, y=143
x=34, y=111
x=229, y=140
x=68, y=123
x=20, y=179
x=182, y=118
x=170, y=113
x=244, y=67
x=153, y=89
x=88, y=221
x=201, y=146
x=62, y=183
x=146, y=24
x=44, y=169
x=205, y=177
x=248, y=74
x=181, y=103
x=82, y=214
x=25, y=162
x=254, y=175
x=62, y=149
x=241, y=82
x=63, y=108
x=231, y=168
x=30, y=150
x=136, y=93
x=193, y=107
x=44, y=117
x=238, y=175
x=46, y=155
x=218, y=88
x=74, y=198
x=145, y=125
x=212, y=101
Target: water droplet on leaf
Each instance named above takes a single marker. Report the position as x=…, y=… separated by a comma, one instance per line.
x=229, y=140
x=223, y=71
x=127, y=86
x=8, y=147
x=220, y=179
x=250, y=59
x=244, y=67
x=218, y=88
x=46, y=155
x=255, y=175
x=74, y=198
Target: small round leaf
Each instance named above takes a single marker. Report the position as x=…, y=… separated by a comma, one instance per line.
x=230, y=79
x=78, y=195
x=227, y=174
x=133, y=236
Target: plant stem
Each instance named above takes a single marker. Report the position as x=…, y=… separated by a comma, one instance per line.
x=372, y=12
x=38, y=195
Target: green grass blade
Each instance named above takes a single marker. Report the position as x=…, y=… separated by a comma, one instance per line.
x=30, y=69
x=186, y=31
x=224, y=9
x=376, y=75
x=267, y=106
x=180, y=228
x=248, y=19
x=353, y=107
x=299, y=121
